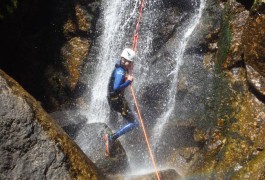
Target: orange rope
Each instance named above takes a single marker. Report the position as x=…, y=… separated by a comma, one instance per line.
x=145, y=134
x=134, y=47
x=135, y=37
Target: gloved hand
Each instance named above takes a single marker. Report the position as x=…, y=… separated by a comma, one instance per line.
x=129, y=77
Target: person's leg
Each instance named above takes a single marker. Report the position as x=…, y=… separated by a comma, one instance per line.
x=126, y=128
x=131, y=119
x=115, y=104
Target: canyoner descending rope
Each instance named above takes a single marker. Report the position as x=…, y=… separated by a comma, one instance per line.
x=134, y=47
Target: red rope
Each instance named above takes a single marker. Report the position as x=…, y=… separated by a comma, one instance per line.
x=135, y=37
x=134, y=47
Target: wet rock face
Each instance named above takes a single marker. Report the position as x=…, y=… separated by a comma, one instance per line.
x=90, y=138
x=254, y=39
x=168, y=174
x=257, y=83
x=32, y=146
x=254, y=49
x=185, y=5
x=25, y=151
x=247, y=3
x=76, y=33
x=235, y=19
x=234, y=144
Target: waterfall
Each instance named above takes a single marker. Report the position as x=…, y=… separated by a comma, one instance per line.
x=117, y=23
x=110, y=44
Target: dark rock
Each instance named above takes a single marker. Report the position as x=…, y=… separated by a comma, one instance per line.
x=256, y=80
x=37, y=35
x=177, y=148
x=32, y=145
x=237, y=17
x=253, y=40
x=247, y=3
x=90, y=139
x=258, y=7
x=260, y=148
x=71, y=121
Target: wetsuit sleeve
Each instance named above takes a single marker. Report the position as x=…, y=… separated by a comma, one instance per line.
x=119, y=77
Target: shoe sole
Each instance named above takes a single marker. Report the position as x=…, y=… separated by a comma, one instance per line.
x=105, y=137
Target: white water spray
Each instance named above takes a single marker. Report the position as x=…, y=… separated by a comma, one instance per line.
x=117, y=21
x=180, y=50
x=110, y=43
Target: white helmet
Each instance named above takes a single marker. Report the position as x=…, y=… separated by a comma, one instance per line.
x=128, y=54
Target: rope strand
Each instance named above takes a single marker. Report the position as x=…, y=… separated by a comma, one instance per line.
x=134, y=47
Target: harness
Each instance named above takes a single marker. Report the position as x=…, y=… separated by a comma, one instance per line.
x=116, y=98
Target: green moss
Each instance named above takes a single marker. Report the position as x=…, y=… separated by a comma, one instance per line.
x=220, y=109
x=225, y=40
x=255, y=169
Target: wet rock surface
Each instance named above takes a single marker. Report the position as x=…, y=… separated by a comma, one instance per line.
x=71, y=121
x=32, y=145
x=90, y=138
x=254, y=46
x=168, y=174
x=75, y=30
x=222, y=94
x=233, y=144
x=238, y=16
x=257, y=82
x=178, y=147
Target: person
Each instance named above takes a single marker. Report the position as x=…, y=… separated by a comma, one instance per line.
x=120, y=79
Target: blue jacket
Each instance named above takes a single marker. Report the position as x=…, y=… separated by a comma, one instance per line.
x=117, y=82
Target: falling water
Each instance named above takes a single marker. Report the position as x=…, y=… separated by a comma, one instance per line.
x=111, y=41
x=118, y=22
x=178, y=56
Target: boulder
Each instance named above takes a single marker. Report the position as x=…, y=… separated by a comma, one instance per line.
x=32, y=145
x=90, y=138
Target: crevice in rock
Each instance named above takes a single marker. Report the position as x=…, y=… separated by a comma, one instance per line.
x=238, y=64
x=47, y=168
x=255, y=91
x=247, y=3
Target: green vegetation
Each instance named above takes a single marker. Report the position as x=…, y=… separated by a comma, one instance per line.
x=225, y=40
